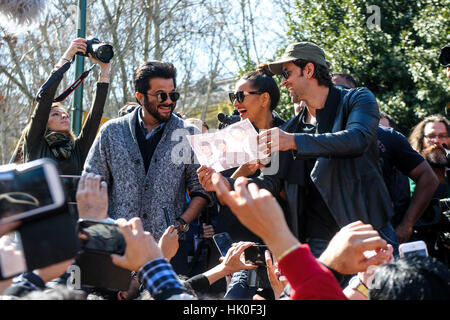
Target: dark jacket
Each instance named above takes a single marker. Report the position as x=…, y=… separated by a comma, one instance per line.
x=36, y=147
x=346, y=172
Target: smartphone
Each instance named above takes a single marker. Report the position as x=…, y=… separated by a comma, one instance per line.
x=12, y=257
x=256, y=254
x=98, y=240
x=70, y=183
x=29, y=189
x=166, y=216
x=413, y=248
x=100, y=237
x=223, y=242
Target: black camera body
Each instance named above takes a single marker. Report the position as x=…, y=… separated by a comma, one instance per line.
x=226, y=120
x=100, y=51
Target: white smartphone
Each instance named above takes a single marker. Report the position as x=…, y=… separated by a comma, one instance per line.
x=413, y=248
x=29, y=189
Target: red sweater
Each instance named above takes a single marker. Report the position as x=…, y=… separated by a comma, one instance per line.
x=309, y=279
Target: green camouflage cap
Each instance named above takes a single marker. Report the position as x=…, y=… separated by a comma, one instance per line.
x=301, y=50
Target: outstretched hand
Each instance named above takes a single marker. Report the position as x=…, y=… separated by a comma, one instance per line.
x=141, y=246
x=169, y=242
x=346, y=251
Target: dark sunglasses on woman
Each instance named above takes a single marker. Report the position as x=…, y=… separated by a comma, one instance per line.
x=240, y=95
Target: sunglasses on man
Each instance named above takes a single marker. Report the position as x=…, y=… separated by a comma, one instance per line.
x=162, y=96
x=240, y=95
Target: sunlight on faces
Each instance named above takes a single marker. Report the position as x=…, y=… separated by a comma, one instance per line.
x=161, y=111
x=252, y=106
x=296, y=82
x=435, y=133
x=58, y=120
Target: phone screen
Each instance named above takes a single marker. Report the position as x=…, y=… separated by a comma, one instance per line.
x=256, y=254
x=22, y=191
x=421, y=252
x=12, y=258
x=101, y=237
x=223, y=242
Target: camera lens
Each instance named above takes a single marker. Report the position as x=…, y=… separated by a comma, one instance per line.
x=104, y=53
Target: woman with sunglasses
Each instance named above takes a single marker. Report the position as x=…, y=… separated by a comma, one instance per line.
x=256, y=97
x=48, y=133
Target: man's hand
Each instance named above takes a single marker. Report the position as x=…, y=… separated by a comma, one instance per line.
x=92, y=197
x=345, y=252
x=208, y=231
x=403, y=232
x=274, y=140
x=169, y=242
x=204, y=177
x=141, y=246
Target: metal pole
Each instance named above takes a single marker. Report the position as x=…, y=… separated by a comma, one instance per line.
x=77, y=107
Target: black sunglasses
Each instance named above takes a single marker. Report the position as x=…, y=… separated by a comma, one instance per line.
x=285, y=74
x=162, y=96
x=239, y=95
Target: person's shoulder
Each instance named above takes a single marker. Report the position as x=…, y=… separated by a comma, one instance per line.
x=357, y=94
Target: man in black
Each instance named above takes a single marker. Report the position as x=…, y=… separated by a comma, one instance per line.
x=399, y=161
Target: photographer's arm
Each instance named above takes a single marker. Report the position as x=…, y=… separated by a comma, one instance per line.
x=92, y=122
x=39, y=119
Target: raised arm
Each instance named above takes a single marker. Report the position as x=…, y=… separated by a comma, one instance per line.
x=90, y=127
x=39, y=119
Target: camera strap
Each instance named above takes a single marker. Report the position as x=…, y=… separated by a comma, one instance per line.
x=73, y=86
x=57, y=76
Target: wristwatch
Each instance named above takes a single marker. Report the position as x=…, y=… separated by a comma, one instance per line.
x=356, y=284
x=184, y=225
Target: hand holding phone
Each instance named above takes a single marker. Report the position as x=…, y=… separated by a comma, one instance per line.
x=29, y=189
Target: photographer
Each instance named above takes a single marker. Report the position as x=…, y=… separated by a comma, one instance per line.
x=48, y=134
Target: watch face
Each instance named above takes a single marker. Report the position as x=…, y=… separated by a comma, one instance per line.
x=354, y=282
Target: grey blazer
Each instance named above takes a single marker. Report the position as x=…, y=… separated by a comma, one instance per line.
x=115, y=155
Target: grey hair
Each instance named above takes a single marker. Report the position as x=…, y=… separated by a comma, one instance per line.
x=22, y=13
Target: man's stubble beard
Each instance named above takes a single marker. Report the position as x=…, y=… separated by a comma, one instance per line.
x=153, y=110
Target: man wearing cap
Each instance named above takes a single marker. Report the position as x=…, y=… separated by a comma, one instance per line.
x=328, y=165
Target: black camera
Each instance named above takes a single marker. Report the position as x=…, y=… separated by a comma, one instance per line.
x=444, y=58
x=100, y=51
x=228, y=120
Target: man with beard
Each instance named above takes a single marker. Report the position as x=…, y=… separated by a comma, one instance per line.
x=146, y=160
x=428, y=138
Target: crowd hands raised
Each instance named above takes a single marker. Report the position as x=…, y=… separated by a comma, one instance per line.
x=356, y=249
x=302, y=264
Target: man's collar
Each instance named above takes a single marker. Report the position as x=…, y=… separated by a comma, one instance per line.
x=326, y=115
x=144, y=129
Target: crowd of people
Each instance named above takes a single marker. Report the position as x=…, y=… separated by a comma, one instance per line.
x=347, y=191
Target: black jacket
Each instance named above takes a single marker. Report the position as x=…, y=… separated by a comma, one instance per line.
x=346, y=172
